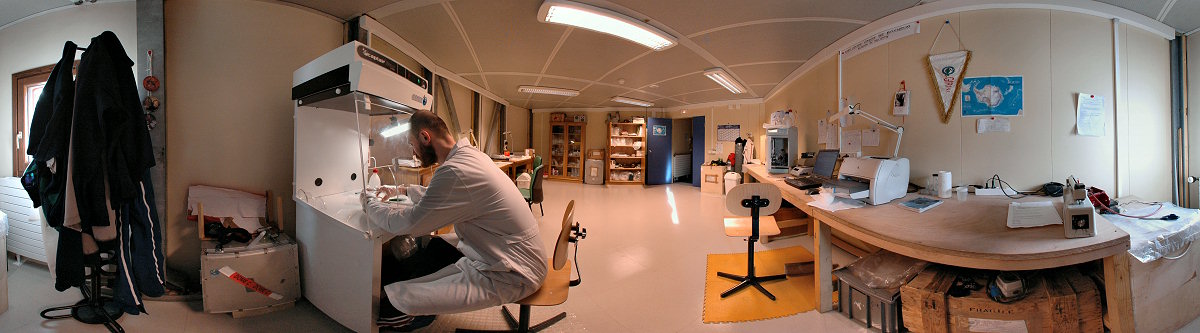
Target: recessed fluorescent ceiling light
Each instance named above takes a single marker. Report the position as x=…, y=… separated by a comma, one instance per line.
x=628, y=100
x=725, y=80
x=603, y=20
x=548, y=91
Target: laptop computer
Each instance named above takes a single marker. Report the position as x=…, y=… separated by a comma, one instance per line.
x=822, y=171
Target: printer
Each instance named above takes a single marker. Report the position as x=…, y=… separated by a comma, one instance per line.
x=873, y=180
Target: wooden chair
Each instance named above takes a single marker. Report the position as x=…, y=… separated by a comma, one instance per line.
x=756, y=201
x=554, y=288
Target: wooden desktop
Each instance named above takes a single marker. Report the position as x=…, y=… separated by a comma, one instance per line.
x=970, y=233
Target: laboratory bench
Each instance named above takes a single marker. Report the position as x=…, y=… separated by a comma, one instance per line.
x=1158, y=296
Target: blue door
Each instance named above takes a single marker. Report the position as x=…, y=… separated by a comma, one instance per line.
x=658, y=151
x=697, y=148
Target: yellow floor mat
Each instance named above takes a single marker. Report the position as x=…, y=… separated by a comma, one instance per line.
x=794, y=295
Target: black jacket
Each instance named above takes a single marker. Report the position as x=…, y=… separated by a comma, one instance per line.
x=110, y=136
x=49, y=133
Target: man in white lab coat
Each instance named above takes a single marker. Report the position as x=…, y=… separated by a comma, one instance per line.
x=503, y=259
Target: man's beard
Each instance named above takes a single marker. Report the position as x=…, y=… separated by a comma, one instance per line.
x=426, y=154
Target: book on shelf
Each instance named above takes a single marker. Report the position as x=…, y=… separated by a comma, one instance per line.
x=920, y=204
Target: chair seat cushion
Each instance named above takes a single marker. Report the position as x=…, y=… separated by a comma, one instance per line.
x=740, y=226
x=553, y=290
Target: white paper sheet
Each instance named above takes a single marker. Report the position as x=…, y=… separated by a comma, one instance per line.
x=822, y=136
x=851, y=141
x=1089, y=115
x=1032, y=214
x=984, y=125
x=870, y=137
x=836, y=204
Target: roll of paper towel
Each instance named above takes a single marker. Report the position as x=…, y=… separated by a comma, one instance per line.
x=944, y=185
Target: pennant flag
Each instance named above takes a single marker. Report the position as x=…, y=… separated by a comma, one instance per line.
x=947, y=69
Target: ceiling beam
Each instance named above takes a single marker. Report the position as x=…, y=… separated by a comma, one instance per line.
x=402, y=6
x=780, y=20
x=466, y=39
x=378, y=29
x=1162, y=14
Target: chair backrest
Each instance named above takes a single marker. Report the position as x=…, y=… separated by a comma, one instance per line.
x=564, y=237
x=535, y=187
x=733, y=200
x=537, y=161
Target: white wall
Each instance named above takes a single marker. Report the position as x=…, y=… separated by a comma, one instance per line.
x=1059, y=54
x=229, y=68
x=38, y=41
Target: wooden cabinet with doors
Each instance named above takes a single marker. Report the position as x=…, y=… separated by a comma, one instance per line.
x=626, y=153
x=566, y=151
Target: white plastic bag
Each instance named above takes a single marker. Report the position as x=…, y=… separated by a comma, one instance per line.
x=886, y=270
x=524, y=180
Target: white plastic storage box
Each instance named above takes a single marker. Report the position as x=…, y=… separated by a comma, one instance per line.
x=273, y=266
x=593, y=172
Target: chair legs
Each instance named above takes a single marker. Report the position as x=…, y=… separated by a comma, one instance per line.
x=520, y=325
x=750, y=279
x=540, y=209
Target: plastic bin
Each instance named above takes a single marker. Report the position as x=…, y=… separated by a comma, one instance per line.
x=732, y=179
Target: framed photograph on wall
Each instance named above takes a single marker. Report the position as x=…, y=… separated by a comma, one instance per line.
x=900, y=103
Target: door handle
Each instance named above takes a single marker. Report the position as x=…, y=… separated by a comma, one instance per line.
x=1192, y=179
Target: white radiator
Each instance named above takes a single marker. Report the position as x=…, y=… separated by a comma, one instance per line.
x=27, y=235
x=681, y=165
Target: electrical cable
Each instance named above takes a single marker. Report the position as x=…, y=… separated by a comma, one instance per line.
x=995, y=181
x=1143, y=217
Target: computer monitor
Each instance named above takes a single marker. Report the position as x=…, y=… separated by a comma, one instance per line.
x=826, y=160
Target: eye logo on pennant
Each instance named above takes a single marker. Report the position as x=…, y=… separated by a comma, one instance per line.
x=948, y=70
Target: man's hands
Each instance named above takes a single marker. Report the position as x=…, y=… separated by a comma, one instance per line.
x=389, y=191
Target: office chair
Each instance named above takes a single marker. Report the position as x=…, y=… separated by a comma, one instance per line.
x=554, y=288
x=757, y=201
x=533, y=195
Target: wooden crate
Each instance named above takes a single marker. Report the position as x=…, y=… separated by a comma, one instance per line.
x=1061, y=300
x=923, y=300
x=1166, y=293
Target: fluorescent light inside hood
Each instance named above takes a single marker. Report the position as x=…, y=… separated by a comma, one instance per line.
x=606, y=21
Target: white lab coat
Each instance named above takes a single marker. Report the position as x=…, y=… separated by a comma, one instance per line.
x=504, y=259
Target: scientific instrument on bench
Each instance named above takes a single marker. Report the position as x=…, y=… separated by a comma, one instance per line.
x=782, y=149
x=1078, y=214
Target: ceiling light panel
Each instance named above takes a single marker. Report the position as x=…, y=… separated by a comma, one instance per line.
x=726, y=81
x=631, y=101
x=548, y=91
x=606, y=21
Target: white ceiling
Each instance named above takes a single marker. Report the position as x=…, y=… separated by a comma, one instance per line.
x=499, y=44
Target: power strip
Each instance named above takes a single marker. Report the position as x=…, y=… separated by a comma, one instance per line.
x=989, y=191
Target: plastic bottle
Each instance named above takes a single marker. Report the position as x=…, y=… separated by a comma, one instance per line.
x=373, y=181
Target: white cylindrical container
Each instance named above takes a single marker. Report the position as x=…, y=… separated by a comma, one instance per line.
x=944, y=184
x=732, y=179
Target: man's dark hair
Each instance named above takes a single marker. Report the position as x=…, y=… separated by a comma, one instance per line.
x=427, y=120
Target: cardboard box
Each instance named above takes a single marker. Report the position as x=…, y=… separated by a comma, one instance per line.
x=712, y=179
x=274, y=266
